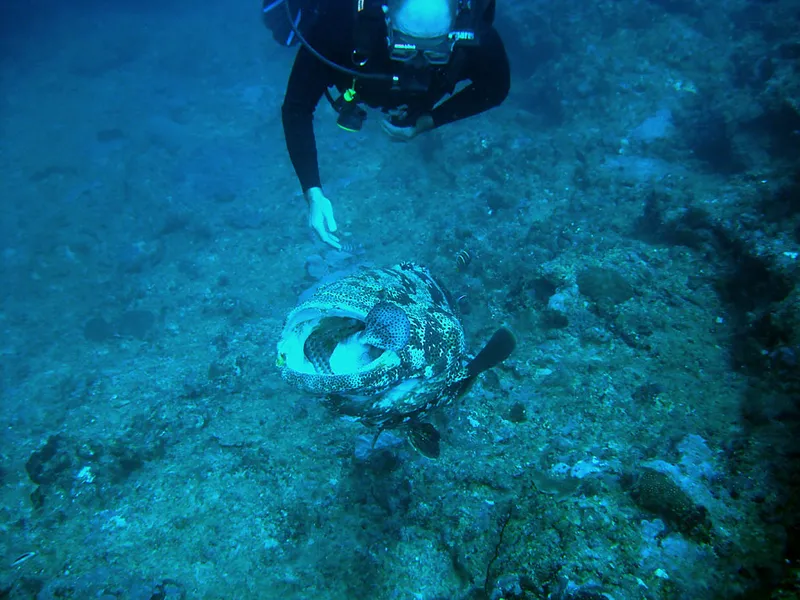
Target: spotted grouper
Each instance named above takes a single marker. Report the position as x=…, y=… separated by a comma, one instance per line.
x=386, y=346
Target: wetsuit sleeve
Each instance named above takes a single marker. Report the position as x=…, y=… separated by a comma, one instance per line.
x=307, y=83
x=490, y=76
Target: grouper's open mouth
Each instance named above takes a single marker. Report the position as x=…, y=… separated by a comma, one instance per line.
x=325, y=342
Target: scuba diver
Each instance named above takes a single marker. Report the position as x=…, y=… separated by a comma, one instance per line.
x=400, y=56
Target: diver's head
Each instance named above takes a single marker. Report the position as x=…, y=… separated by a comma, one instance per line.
x=421, y=27
x=422, y=19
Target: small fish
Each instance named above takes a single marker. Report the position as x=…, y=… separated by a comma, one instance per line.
x=463, y=258
x=22, y=558
x=354, y=248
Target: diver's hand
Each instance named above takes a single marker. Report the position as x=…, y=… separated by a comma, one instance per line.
x=320, y=217
x=404, y=134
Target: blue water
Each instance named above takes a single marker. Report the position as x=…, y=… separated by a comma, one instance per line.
x=631, y=212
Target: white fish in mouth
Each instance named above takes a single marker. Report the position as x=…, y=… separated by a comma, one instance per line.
x=385, y=345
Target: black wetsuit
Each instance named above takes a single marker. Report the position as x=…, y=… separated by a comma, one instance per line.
x=486, y=66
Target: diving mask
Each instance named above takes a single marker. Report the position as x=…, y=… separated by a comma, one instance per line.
x=405, y=48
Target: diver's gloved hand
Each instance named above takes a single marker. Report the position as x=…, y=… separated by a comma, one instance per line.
x=320, y=217
x=404, y=133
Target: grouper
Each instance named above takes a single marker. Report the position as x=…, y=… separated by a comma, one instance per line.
x=385, y=346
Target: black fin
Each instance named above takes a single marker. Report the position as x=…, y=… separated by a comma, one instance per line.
x=424, y=438
x=375, y=439
x=496, y=350
x=341, y=405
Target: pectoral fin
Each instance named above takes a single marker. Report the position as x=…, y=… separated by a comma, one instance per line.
x=424, y=438
x=496, y=350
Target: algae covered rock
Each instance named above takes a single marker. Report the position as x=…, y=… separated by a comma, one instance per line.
x=658, y=493
x=605, y=287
